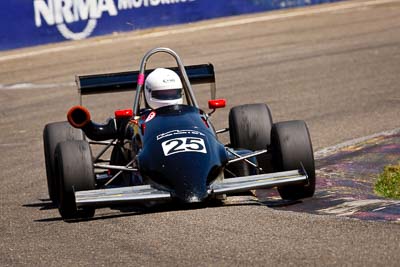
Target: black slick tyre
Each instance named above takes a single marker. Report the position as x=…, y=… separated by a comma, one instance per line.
x=291, y=147
x=250, y=128
x=53, y=134
x=75, y=173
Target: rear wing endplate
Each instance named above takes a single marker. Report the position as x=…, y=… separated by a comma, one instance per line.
x=127, y=81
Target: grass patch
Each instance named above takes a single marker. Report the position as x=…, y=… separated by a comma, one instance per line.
x=388, y=183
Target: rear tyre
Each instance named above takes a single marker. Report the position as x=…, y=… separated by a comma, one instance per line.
x=291, y=147
x=53, y=134
x=250, y=128
x=75, y=173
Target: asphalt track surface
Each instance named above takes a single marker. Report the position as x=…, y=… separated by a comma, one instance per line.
x=337, y=70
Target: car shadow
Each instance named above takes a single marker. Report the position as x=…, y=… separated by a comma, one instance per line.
x=140, y=209
x=280, y=203
x=44, y=204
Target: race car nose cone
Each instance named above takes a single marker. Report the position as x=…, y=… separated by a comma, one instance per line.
x=189, y=196
x=194, y=199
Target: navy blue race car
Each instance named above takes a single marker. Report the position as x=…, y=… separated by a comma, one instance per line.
x=166, y=149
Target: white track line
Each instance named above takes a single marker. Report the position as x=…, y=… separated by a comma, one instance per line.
x=236, y=22
x=22, y=86
x=333, y=149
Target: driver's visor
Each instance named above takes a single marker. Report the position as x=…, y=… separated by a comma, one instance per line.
x=169, y=94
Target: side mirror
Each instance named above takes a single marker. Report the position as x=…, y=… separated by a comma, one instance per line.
x=216, y=103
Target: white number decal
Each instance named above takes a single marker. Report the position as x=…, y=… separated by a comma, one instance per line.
x=183, y=144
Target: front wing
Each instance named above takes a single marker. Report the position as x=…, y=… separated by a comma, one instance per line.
x=144, y=193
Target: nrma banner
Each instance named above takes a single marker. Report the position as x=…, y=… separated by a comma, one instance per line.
x=34, y=22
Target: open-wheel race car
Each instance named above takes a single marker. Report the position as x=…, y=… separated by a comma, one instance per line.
x=170, y=152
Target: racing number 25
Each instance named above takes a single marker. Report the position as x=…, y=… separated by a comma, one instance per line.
x=183, y=144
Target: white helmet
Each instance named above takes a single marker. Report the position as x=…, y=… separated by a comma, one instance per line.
x=163, y=87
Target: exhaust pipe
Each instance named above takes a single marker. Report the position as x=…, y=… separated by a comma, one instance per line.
x=79, y=117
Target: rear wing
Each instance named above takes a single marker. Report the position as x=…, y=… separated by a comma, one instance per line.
x=127, y=81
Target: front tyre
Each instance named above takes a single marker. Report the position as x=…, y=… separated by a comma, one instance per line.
x=75, y=173
x=250, y=128
x=291, y=147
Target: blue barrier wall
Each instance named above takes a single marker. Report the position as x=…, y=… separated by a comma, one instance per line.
x=33, y=22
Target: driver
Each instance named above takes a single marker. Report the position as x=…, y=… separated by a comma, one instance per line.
x=163, y=87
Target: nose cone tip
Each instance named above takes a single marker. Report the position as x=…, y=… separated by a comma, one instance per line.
x=194, y=198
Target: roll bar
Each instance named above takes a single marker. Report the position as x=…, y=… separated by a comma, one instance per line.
x=141, y=77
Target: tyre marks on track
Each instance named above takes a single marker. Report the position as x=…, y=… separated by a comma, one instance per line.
x=345, y=179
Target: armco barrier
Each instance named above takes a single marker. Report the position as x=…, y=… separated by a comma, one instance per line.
x=33, y=22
